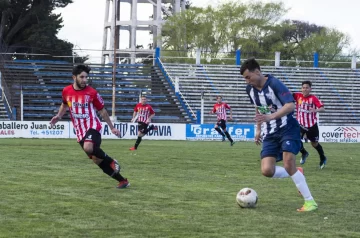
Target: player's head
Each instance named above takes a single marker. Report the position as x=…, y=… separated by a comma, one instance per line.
x=250, y=70
x=219, y=99
x=80, y=75
x=143, y=100
x=306, y=88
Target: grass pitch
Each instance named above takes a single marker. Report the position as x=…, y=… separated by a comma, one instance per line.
x=178, y=189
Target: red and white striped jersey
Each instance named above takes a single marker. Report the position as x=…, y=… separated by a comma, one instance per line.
x=220, y=110
x=143, y=112
x=303, y=105
x=81, y=105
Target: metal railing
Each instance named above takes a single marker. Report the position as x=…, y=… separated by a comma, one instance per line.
x=5, y=95
x=181, y=95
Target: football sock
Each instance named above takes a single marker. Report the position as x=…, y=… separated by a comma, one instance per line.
x=300, y=182
x=228, y=136
x=138, y=141
x=220, y=132
x=151, y=127
x=302, y=149
x=148, y=129
x=106, y=168
x=99, y=153
x=118, y=177
x=280, y=172
x=320, y=151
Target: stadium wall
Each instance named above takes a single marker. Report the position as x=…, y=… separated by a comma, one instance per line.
x=166, y=131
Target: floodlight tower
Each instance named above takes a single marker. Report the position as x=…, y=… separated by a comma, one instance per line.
x=113, y=26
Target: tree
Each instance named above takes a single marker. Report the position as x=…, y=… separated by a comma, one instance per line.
x=226, y=28
x=255, y=28
x=30, y=26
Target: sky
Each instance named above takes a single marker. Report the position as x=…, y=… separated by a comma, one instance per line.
x=84, y=21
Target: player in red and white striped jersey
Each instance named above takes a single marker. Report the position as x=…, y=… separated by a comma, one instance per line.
x=143, y=113
x=220, y=108
x=307, y=107
x=82, y=101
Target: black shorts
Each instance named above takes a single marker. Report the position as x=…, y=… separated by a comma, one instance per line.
x=312, y=133
x=92, y=136
x=222, y=124
x=142, y=126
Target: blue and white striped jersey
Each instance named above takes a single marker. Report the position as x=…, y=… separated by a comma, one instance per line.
x=273, y=96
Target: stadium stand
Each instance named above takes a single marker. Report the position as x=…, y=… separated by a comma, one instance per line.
x=42, y=82
x=337, y=88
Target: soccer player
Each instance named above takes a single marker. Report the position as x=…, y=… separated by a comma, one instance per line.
x=143, y=113
x=82, y=100
x=220, y=109
x=275, y=106
x=308, y=106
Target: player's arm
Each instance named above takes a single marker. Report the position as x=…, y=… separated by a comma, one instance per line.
x=319, y=106
x=229, y=108
x=285, y=97
x=105, y=116
x=60, y=114
x=295, y=96
x=213, y=110
x=258, y=129
x=286, y=109
x=321, y=109
x=133, y=119
x=98, y=102
x=134, y=116
x=152, y=114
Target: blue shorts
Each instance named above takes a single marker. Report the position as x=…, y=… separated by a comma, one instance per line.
x=286, y=139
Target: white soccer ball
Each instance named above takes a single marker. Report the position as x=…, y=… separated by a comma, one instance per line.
x=247, y=198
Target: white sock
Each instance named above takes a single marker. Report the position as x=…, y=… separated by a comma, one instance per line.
x=280, y=172
x=300, y=182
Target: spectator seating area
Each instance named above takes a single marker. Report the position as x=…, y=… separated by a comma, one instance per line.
x=337, y=89
x=42, y=82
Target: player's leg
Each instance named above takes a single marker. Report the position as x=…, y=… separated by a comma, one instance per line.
x=290, y=145
x=223, y=127
x=216, y=127
x=150, y=128
x=269, y=156
x=313, y=136
x=91, y=146
x=141, y=129
x=304, y=153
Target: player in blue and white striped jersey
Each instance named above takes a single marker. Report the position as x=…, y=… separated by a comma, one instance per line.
x=274, y=107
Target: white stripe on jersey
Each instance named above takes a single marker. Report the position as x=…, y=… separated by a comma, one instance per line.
x=221, y=113
x=275, y=100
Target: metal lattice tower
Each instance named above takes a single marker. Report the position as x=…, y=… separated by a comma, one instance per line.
x=113, y=27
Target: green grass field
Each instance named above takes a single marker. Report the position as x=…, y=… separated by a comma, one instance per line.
x=178, y=189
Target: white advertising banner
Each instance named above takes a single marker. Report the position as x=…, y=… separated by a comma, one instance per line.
x=165, y=131
x=33, y=129
x=339, y=134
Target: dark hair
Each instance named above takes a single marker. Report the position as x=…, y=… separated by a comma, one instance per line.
x=306, y=82
x=78, y=69
x=250, y=64
x=218, y=97
x=143, y=96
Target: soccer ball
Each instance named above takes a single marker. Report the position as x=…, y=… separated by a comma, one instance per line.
x=246, y=198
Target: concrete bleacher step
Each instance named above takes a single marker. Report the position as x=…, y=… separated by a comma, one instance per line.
x=335, y=87
x=3, y=113
x=43, y=81
x=170, y=91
